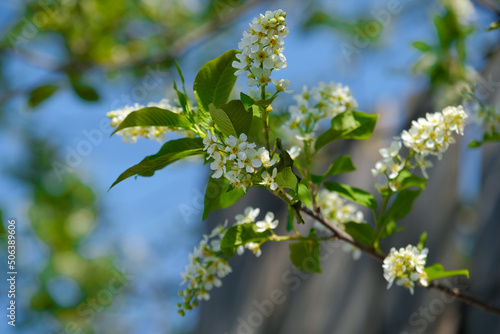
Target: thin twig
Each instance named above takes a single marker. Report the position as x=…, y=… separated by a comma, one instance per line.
x=466, y=298
x=454, y=292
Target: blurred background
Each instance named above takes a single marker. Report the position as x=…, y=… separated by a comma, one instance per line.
x=92, y=261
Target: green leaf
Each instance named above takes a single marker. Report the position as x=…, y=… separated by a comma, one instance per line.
x=422, y=241
x=265, y=103
x=179, y=72
x=491, y=137
x=170, y=152
x=407, y=179
x=215, y=80
x=239, y=235
x=246, y=100
x=437, y=271
x=219, y=195
x=287, y=179
x=183, y=101
x=285, y=158
x=445, y=28
x=256, y=133
x=493, y=26
x=305, y=255
x=354, y=194
x=182, y=96
x=232, y=118
x=389, y=227
x=40, y=94
x=402, y=204
x=341, y=165
x=153, y=116
x=348, y=125
x=85, y=91
x=488, y=137
x=421, y=46
x=304, y=195
x=361, y=232
x=475, y=144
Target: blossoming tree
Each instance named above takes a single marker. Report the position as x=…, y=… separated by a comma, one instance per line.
x=246, y=144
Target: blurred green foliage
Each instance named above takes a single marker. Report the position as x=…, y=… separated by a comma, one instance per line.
x=63, y=213
x=110, y=36
x=349, y=28
x=72, y=41
x=445, y=61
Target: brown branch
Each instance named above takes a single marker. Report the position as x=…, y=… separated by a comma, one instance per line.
x=466, y=298
x=341, y=235
x=338, y=234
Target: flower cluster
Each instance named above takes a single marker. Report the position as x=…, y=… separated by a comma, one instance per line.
x=335, y=209
x=431, y=135
x=150, y=132
x=238, y=160
x=407, y=266
x=324, y=101
x=490, y=117
x=262, y=50
x=207, y=266
x=249, y=216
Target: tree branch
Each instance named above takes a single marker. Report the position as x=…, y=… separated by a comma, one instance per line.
x=338, y=234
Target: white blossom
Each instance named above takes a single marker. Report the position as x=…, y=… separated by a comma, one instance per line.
x=219, y=165
x=294, y=152
x=262, y=49
x=269, y=223
x=392, y=151
x=268, y=180
x=431, y=135
x=252, y=246
x=324, y=101
x=463, y=9
x=208, y=265
x=336, y=210
x=282, y=85
x=406, y=266
x=236, y=159
x=248, y=216
x=434, y=133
